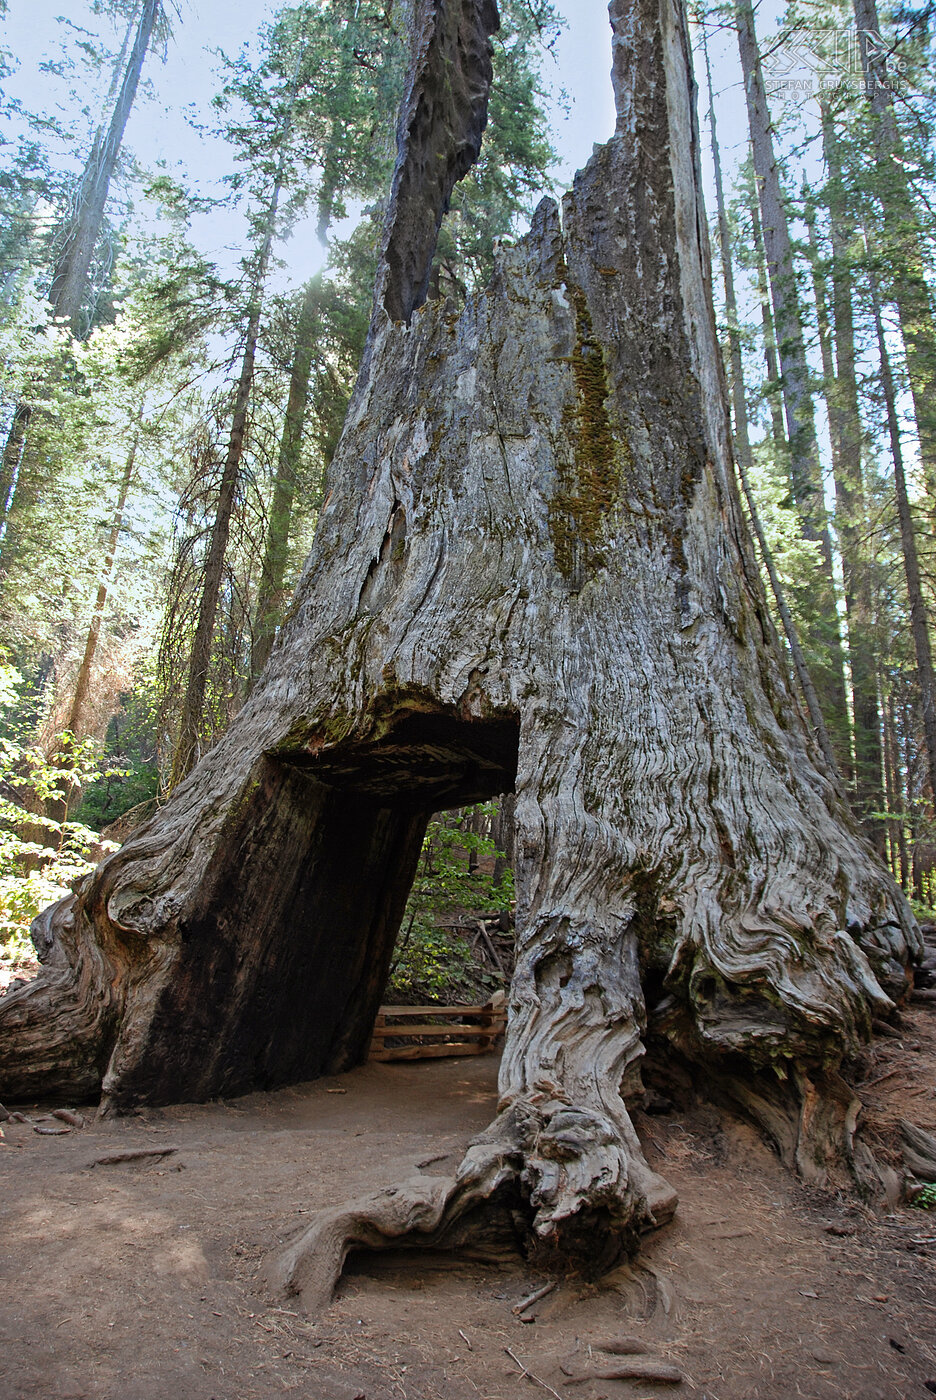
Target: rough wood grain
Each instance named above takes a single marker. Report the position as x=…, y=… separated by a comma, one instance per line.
x=531, y=573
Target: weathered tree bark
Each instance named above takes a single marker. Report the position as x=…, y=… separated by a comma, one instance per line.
x=531, y=573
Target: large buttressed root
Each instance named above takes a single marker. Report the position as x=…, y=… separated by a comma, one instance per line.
x=531, y=571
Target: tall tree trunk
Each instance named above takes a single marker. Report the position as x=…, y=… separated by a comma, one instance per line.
x=531, y=573
x=859, y=587
x=83, y=681
x=901, y=797
x=845, y=432
x=919, y=623
x=908, y=261
x=859, y=594
x=272, y=595
x=805, y=469
x=805, y=466
x=503, y=831
x=70, y=274
x=70, y=279
x=891, y=789
x=742, y=442
x=13, y=450
x=193, y=704
x=774, y=390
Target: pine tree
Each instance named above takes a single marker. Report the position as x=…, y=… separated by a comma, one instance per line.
x=804, y=463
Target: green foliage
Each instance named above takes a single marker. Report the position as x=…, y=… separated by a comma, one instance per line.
x=129, y=769
x=926, y=1199
x=40, y=855
x=432, y=962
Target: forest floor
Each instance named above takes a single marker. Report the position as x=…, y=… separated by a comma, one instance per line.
x=139, y=1280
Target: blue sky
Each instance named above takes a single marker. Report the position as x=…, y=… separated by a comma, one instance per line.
x=158, y=128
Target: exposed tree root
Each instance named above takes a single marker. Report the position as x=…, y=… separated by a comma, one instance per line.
x=919, y=1151
x=521, y=1186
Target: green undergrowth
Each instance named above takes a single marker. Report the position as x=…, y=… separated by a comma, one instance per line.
x=433, y=961
x=41, y=854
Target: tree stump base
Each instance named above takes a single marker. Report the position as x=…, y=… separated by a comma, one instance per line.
x=530, y=574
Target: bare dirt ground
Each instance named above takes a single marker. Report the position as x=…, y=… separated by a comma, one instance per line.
x=138, y=1281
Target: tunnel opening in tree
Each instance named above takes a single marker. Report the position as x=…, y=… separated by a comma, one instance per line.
x=283, y=961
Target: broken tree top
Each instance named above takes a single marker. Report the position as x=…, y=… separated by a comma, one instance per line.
x=531, y=573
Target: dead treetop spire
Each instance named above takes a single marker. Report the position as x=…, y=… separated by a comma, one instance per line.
x=442, y=120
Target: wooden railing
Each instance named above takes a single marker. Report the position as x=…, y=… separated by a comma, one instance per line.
x=432, y=1032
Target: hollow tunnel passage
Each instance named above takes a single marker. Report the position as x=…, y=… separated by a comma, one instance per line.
x=283, y=960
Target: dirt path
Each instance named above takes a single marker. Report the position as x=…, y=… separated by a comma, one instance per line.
x=136, y=1281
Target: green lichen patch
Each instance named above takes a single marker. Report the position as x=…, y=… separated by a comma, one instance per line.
x=588, y=488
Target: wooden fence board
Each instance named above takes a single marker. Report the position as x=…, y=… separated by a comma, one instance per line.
x=454, y=1030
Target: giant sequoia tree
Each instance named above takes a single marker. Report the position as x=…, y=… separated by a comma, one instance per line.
x=531, y=573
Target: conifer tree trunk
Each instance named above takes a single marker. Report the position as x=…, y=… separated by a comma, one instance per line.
x=891, y=791
x=919, y=622
x=845, y=432
x=70, y=279
x=900, y=804
x=271, y=597
x=193, y=704
x=70, y=274
x=13, y=450
x=742, y=443
x=805, y=466
x=859, y=588
x=774, y=390
x=83, y=682
x=531, y=573
x=805, y=469
x=902, y=229
x=503, y=828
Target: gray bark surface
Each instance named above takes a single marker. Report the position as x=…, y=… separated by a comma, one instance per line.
x=531, y=573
